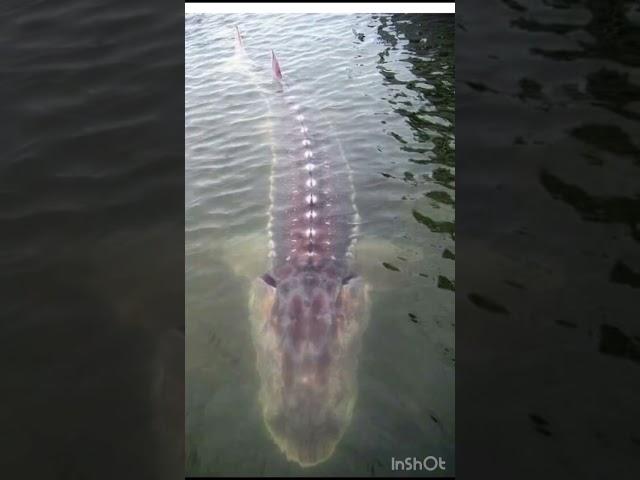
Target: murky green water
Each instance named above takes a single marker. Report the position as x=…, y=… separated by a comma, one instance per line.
x=386, y=84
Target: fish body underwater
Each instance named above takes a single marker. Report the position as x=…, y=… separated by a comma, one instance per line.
x=310, y=309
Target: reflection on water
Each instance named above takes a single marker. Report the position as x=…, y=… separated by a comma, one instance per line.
x=548, y=113
x=385, y=83
x=91, y=222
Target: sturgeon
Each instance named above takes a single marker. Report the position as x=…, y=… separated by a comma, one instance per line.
x=310, y=308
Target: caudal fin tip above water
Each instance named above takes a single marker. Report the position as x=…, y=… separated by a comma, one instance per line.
x=275, y=66
x=239, y=43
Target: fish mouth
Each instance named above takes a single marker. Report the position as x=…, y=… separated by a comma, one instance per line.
x=308, y=381
x=307, y=404
x=309, y=428
x=308, y=410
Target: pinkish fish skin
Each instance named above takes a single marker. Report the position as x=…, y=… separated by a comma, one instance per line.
x=275, y=66
x=309, y=309
x=239, y=38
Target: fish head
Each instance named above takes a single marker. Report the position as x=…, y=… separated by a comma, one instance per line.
x=307, y=340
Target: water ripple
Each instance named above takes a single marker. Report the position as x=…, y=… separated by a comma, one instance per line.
x=384, y=98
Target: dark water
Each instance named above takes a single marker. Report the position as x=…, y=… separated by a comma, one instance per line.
x=91, y=222
x=548, y=215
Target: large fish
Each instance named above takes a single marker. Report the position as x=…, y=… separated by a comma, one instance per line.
x=310, y=308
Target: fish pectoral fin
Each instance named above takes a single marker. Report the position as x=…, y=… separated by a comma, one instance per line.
x=247, y=256
x=383, y=264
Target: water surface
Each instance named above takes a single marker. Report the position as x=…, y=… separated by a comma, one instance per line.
x=547, y=219
x=91, y=222
x=386, y=85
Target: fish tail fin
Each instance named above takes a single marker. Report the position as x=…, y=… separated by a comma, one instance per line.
x=275, y=66
x=239, y=42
